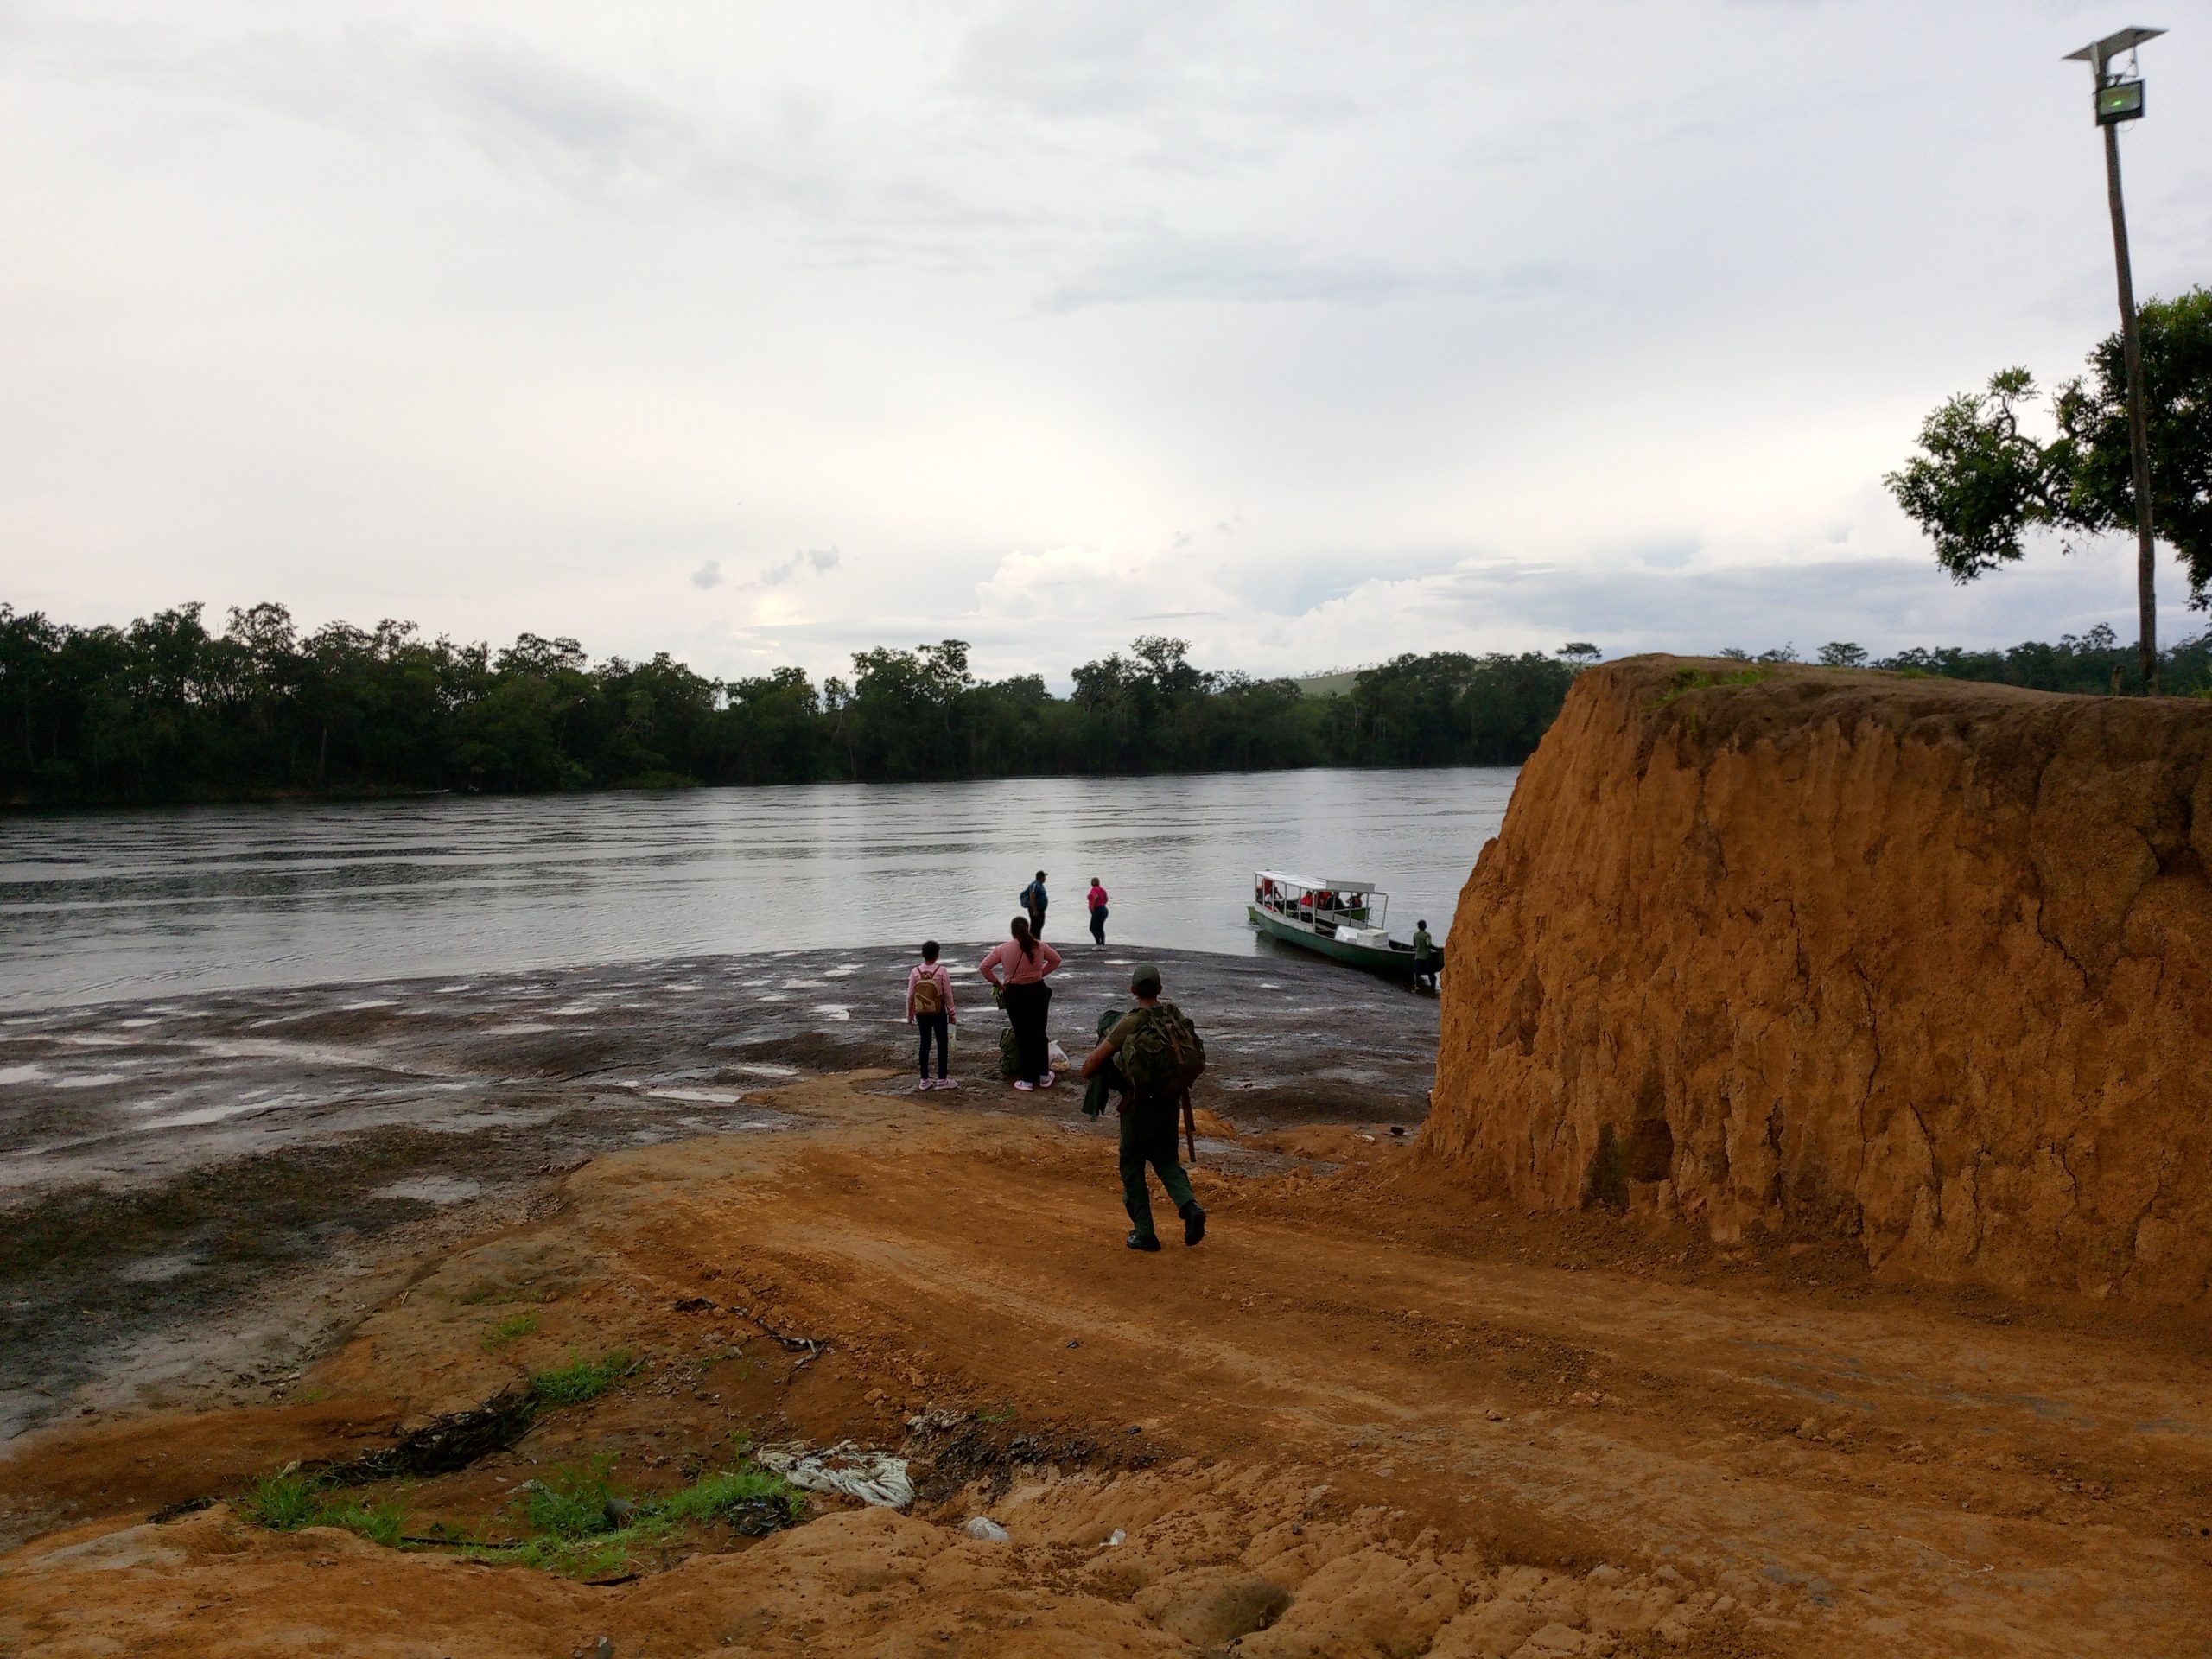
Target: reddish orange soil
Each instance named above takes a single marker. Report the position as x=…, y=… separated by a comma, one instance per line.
x=1366, y=1417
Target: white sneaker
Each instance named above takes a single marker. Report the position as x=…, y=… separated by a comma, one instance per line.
x=947, y=1083
x=1048, y=1079
x=1025, y=1087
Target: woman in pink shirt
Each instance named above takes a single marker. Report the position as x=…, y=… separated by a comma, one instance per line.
x=1097, y=897
x=1024, y=960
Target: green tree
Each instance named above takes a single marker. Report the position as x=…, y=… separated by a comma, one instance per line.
x=1981, y=481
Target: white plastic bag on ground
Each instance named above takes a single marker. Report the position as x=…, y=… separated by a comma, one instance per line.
x=983, y=1527
x=877, y=1478
x=1059, y=1056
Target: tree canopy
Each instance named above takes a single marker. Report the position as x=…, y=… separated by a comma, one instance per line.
x=1981, y=481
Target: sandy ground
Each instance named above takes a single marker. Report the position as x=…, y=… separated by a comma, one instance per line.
x=1364, y=1417
x=199, y=1196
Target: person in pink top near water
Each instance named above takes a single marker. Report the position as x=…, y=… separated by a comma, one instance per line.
x=1097, y=898
x=1016, y=971
x=929, y=1007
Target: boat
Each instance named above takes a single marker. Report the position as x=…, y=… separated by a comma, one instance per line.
x=1342, y=917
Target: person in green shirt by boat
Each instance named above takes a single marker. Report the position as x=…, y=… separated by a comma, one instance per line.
x=1154, y=1055
x=1424, y=947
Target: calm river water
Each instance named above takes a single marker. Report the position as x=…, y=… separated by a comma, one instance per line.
x=116, y=905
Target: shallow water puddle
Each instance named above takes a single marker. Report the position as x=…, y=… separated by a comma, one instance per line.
x=431, y=1189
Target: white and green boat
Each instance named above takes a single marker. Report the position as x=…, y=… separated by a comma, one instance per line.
x=1340, y=916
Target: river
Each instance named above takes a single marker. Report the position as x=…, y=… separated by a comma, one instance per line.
x=114, y=906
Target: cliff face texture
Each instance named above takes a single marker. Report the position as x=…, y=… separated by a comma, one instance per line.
x=1919, y=963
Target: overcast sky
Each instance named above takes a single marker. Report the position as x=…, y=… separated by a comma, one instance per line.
x=1312, y=333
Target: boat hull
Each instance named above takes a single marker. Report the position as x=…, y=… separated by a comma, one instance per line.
x=1394, y=963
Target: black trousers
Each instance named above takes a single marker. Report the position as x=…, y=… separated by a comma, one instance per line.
x=1025, y=1007
x=934, y=1028
x=1148, y=1137
x=1098, y=924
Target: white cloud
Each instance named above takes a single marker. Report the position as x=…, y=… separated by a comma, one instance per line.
x=708, y=574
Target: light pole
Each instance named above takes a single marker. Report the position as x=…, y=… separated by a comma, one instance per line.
x=2118, y=101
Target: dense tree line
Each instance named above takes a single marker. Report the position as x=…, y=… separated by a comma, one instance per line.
x=2098, y=663
x=170, y=709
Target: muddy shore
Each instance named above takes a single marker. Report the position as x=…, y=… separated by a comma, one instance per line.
x=199, y=1196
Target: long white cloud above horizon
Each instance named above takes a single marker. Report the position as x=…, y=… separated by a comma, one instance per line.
x=1310, y=334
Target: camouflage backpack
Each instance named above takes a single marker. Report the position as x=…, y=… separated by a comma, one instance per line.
x=1163, y=1057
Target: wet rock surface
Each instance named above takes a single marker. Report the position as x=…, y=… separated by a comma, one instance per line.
x=198, y=1194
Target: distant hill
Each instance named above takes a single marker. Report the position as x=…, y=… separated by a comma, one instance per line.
x=1331, y=683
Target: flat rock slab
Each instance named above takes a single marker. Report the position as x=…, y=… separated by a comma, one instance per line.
x=197, y=1193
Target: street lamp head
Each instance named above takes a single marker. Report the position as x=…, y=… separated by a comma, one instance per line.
x=2097, y=53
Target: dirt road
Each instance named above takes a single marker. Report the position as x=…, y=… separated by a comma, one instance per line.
x=1364, y=1417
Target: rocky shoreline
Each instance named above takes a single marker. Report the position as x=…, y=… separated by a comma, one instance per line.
x=202, y=1194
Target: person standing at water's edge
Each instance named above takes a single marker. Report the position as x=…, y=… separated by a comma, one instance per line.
x=1032, y=901
x=929, y=1007
x=1024, y=960
x=1423, y=947
x=1096, y=897
x=1156, y=1051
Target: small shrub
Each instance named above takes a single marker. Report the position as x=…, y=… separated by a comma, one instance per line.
x=507, y=1330
x=581, y=1380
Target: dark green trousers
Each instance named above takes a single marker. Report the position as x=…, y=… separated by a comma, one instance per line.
x=1148, y=1131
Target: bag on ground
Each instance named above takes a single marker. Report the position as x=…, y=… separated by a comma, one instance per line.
x=1164, y=1055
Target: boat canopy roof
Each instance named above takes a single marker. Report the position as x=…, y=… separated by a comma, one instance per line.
x=1335, y=883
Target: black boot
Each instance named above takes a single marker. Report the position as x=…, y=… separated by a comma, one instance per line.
x=1143, y=1241
x=1194, y=1222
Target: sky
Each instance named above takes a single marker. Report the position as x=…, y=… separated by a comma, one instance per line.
x=1310, y=334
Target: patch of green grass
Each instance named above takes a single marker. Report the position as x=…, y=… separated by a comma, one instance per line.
x=574, y=1558
x=284, y=1501
x=507, y=1330
x=1004, y=1412
x=310, y=1396
x=288, y=1500
x=712, y=1497
x=570, y=1515
x=581, y=1379
x=571, y=1502
x=380, y=1524
x=1687, y=680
